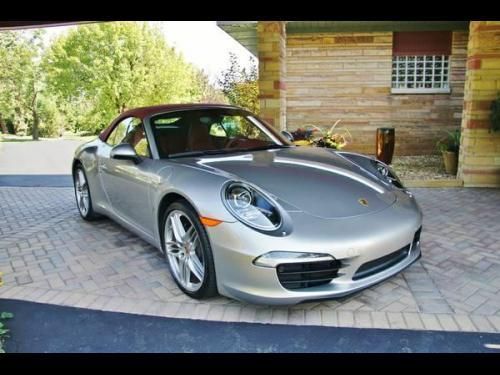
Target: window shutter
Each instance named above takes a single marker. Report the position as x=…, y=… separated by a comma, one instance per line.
x=421, y=43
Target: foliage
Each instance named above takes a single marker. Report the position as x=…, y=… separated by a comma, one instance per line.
x=86, y=77
x=4, y=332
x=314, y=136
x=205, y=92
x=52, y=120
x=495, y=114
x=240, y=85
x=21, y=81
x=98, y=71
x=450, y=143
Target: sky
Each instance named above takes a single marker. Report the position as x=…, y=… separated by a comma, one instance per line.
x=201, y=42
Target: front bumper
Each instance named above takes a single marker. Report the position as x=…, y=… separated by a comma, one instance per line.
x=353, y=241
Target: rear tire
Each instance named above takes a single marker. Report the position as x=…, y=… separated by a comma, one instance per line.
x=188, y=252
x=82, y=194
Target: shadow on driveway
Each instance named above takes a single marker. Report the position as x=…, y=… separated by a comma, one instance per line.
x=49, y=328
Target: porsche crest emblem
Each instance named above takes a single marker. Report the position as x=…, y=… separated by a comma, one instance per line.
x=363, y=202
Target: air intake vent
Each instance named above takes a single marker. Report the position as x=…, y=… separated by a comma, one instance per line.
x=380, y=264
x=416, y=238
x=307, y=274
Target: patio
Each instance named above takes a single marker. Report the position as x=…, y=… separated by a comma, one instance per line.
x=48, y=254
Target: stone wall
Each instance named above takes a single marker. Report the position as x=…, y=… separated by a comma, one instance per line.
x=480, y=151
x=347, y=76
x=272, y=72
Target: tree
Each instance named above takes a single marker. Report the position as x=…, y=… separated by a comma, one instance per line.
x=241, y=85
x=21, y=82
x=98, y=71
x=205, y=92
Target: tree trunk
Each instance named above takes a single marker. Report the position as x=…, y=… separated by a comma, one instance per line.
x=36, y=119
x=36, y=122
x=3, y=125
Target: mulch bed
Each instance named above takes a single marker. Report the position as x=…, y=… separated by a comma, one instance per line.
x=421, y=167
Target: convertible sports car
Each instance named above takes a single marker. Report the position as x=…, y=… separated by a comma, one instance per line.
x=237, y=209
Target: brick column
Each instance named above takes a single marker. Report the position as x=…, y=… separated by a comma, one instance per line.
x=479, y=162
x=271, y=49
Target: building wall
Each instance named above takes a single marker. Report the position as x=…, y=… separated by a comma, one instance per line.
x=347, y=76
x=479, y=163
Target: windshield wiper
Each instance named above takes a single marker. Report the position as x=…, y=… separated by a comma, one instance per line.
x=198, y=153
x=225, y=151
x=267, y=147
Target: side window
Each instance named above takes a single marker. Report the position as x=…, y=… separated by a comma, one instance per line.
x=240, y=127
x=171, y=133
x=118, y=133
x=136, y=137
x=130, y=130
x=216, y=130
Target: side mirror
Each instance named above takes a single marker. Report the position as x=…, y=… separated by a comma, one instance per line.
x=287, y=135
x=125, y=151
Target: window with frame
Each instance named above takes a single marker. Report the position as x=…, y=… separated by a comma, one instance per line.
x=119, y=132
x=131, y=131
x=421, y=62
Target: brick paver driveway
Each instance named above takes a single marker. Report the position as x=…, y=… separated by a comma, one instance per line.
x=48, y=254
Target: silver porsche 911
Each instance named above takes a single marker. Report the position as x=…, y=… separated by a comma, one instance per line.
x=237, y=209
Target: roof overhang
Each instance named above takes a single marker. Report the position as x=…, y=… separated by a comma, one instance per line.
x=245, y=32
x=19, y=25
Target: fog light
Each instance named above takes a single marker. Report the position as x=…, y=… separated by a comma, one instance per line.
x=273, y=258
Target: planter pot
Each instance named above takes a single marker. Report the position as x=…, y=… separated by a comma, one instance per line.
x=385, y=144
x=450, y=159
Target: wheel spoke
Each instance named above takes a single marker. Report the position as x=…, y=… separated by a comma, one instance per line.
x=81, y=178
x=83, y=206
x=184, y=250
x=174, y=249
x=195, y=266
x=177, y=227
x=190, y=235
x=185, y=273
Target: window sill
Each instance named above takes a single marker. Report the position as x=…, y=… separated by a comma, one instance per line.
x=420, y=91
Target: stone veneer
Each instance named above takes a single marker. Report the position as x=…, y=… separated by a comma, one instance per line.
x=479, y=163
x=272, y=72
x=347, y=76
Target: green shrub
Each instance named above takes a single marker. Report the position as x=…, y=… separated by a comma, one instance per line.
x=449, y=143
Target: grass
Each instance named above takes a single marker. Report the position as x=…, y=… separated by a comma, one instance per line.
x=29, y=138
x=14, y=138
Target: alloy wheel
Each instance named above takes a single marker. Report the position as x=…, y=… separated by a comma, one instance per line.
x=82, y=192
x=184, y=251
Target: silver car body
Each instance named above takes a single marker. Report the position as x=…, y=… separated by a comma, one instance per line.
x=318, y=190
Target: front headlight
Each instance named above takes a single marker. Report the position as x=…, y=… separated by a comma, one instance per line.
x=387, y=174
x=251, y=207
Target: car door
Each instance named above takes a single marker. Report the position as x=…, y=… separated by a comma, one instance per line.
x=127, y=184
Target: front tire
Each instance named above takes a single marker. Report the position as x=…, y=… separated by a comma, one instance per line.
x=188, y=251
x=82, y=194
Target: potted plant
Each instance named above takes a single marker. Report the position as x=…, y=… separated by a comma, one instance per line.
x=314, y=136
x=449, y=146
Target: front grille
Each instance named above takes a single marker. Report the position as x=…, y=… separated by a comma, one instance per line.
x=307, y=274
x=380, y=264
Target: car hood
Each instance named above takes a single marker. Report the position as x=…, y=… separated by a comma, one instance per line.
x=316, y=181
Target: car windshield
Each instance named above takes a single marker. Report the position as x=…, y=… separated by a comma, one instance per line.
x=212, y=131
